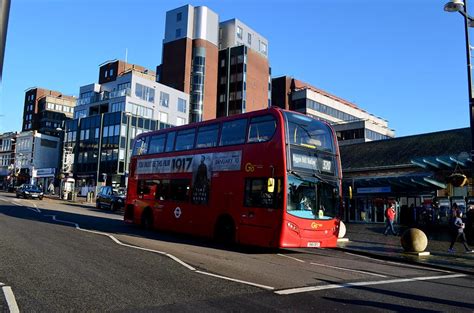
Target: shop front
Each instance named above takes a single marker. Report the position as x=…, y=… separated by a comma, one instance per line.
x=42, y=177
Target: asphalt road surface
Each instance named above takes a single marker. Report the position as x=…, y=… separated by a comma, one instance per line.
x=59, y=257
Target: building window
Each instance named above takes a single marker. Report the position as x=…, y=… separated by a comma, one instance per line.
x=111, y=72
x=179, y=17
x=178, y=32
x=123, y=86
x=87, y=94
x=263, y=47
x=163, y=117
x=249, y=39
x=164, y=99
x=118, y=106
x=239, y=32
x=145, y=93
x=180, y=121
x=181, y=105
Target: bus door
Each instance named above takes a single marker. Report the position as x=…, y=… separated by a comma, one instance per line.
x=261, y=213
x=173, y=210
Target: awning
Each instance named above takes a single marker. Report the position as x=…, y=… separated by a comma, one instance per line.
x=462, y=160
x=407, y=182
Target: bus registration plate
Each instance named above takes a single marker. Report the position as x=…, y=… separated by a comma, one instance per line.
x=314, y=244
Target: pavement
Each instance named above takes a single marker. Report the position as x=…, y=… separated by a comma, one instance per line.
x=369, y=240
x=80, y=200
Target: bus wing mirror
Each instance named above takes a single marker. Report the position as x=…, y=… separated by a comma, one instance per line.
x=271, y=185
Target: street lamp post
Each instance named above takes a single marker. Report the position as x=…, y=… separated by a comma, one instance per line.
x=461, y=7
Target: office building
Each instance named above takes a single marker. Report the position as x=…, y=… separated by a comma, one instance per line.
x=351, y=123
x=109, y=114
x=45, y=110
x=36, y=158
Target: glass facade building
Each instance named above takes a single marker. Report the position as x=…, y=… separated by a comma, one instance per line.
x=104, y=139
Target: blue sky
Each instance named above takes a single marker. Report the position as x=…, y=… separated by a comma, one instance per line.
x=403, y=60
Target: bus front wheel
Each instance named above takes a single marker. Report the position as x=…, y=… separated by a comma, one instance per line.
x=225, y=230
x=147, y=219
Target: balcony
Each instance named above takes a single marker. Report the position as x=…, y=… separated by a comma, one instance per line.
x=120, y=93
x=105, y=95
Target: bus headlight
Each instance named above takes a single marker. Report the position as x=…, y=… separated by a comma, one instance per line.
x=293, y=227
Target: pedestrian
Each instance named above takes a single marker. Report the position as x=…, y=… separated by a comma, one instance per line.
x=51, y=188
x=459, y=226
x=389, y=219
x=470, y=220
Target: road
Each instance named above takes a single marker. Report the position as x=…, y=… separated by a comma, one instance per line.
x=58, y=257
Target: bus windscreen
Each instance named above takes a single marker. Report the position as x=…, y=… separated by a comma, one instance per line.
x=311, y=198
x=309, y=133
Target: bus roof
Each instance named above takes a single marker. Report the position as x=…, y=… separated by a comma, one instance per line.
x=273, y=110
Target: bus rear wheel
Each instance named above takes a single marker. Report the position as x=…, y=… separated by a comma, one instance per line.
x=147, y=219
x=225, y=230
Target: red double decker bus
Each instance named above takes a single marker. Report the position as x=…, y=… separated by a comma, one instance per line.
x=267, y=178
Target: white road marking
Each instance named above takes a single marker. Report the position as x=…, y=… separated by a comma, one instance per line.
x=400, y=264
x=174, y=258
x=237, y=280
x=366, y=283
x=349, y=270
x=34, y=209
x=10, y=297
x=290, y=257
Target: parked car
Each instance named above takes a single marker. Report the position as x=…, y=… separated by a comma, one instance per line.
x=29, y=191
x=110, y=198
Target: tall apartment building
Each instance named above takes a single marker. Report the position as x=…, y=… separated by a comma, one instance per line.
x=7, y=158
x=223, y=66
x=109, y=114
x=189, y=58
x=351, y=123
x=244, y=72
x=45, y=110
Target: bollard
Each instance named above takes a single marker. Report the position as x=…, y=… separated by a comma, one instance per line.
x=342, y=233
x=414, y=242
x=91, y=196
